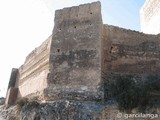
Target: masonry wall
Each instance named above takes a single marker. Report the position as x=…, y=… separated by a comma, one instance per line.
x=150, y=17
x=127, y=52
x=75, y=58
x=12, y=91
x=32, y=76
x=72, y=62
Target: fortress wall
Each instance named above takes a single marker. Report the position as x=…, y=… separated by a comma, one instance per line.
x=75, y=58
x=127, y=51
x=129, y=54
x=12, y=92
x=33, y=73
x=13, y=78
x=71, y=63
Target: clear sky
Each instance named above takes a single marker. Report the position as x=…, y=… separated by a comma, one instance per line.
x=25, y=24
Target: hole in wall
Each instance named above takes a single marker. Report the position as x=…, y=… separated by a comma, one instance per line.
x=75, y=27
x=111, y=49
x=58, y=50
x=114, y=49
x=91, y=13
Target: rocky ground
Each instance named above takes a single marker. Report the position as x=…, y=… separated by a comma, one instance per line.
x=8, y=113
x=57, y=110
x=67, y=110
x=64, y=110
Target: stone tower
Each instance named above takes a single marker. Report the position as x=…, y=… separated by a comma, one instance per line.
x=150, y=17
x=75, y=58
x=68, y=64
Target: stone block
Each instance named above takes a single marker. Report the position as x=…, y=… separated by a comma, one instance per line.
x=13, y=78
x=11, y=96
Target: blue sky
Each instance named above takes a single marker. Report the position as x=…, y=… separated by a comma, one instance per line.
x=25, y=24
x=123, y=13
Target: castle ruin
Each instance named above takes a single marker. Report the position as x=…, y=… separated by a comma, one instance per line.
x=70, y=64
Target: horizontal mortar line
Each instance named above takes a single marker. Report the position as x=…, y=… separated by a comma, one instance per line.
x=41, y=51
x=33, y=62
x=33, y=68
x=28, y=60
x=41, y=48
x=27, y=66
x=38, y=70
x=35, y=52
x=32, y=77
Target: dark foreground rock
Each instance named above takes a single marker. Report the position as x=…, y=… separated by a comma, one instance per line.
x=2, y=101
x=63, y=110
x=8, y=113
x=73, y=110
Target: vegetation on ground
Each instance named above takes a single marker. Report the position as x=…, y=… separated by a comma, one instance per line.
x=131, y=92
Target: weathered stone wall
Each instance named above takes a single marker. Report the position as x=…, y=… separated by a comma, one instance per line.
x=12, y=92
x=71, y=63
x=150, y=17
x=13, y=78
x=75, y=58
x=11, y=96
x=127, y=51
x=32, y=77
